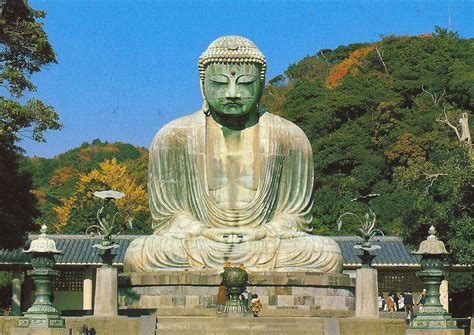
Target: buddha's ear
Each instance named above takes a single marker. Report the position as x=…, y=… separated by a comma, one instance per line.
x=205, y=104
x=261, y=88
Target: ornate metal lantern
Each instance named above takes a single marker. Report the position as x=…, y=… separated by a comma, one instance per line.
x=433, y=315
x=235, y=280
x=106, y=228
x=42, y=313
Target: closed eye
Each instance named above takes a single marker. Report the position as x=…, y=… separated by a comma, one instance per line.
x=246, y=79
x=221, y=79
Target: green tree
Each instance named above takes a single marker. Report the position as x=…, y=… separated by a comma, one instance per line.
x=24, y=50
x=375, y=116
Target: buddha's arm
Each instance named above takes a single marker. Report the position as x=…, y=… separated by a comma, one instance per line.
x=183, y=226
x=293, y=212
x=172, y=185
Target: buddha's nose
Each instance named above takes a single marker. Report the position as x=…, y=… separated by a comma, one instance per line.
x=232, y=91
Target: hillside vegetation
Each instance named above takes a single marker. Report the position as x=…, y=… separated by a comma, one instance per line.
x=389, y=118
x=64, y=185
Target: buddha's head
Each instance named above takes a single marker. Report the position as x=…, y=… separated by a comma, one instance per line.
x=232, y=76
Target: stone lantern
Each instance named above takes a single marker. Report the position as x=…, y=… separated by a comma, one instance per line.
x=433, y=315
x=42, y=314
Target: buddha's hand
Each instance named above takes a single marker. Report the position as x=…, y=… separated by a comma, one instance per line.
x=234, y=235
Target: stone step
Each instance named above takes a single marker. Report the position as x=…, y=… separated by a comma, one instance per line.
x=244, y=326
x=237, y=320
x=236, y=332
x=231, y=326
x=266, y=312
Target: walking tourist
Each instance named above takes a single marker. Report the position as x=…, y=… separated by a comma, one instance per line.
x=381, y=302
x=401, y=302
x=256, y=305
x=408, y=299
x=395, y=299
x=391, y=303
x=221, y=298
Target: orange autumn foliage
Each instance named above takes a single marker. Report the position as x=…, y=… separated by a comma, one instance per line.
x=40, y=195
x=62, y=175
x=86, y=154
x=348, y=65
x=116, y=176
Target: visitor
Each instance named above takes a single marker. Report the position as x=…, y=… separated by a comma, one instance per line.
x=401, y=302
x=256, y=305
x=391, y=303
x=395, y=299
x=245, y=297
x=420, y=302
x=408, y=300
x=249, y=301
x=381, y=302
x=221, y=298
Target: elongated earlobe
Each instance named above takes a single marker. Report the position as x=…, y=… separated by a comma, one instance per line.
x=205, y=107
x=205, y=104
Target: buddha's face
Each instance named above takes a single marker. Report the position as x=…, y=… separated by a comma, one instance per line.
x=232, y=89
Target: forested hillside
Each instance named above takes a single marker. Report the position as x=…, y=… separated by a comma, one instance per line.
x=64, y=185
x=389, y=118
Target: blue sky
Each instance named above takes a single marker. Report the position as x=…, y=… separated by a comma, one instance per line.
x=126, y=68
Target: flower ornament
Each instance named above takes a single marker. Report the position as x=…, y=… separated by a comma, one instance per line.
x=108, y=195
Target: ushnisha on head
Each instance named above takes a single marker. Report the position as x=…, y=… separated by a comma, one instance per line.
x=232, y=49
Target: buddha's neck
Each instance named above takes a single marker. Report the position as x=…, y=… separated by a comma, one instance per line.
x=236, y=122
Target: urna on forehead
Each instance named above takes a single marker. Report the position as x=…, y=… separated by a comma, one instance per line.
x=232, y=49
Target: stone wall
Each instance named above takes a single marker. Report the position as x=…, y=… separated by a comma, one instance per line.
x=276, y=290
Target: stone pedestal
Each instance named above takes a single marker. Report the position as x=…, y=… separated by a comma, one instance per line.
x=105, y=303
x=195, y=292
x=366, y=293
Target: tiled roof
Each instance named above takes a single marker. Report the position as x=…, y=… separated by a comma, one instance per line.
x=392, y=252
x=77, y=250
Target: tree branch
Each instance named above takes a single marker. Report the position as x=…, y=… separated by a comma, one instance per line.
x=446, y=121
x=434, y=97
x=381, y=59
x=431, y=178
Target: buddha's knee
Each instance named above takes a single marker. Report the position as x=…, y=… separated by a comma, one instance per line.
x=310, y=252
x=133, y=255
x=153, y=252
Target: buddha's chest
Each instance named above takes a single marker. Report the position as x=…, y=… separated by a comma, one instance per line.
x=232, y=168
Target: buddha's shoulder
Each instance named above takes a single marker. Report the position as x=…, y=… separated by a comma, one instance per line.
x=288, y=127
x=179, y=127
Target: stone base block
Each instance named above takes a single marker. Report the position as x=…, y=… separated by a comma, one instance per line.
x=39, y=331
x=198, y=290
x=434, y=332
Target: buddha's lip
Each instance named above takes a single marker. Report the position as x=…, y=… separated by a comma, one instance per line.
x=233, y=104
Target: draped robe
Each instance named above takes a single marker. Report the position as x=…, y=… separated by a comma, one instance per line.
x=182, y=206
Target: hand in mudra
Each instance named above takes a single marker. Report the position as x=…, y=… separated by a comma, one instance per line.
x=234, y=235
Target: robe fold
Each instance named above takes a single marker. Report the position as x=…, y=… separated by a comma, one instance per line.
x=182, y=206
